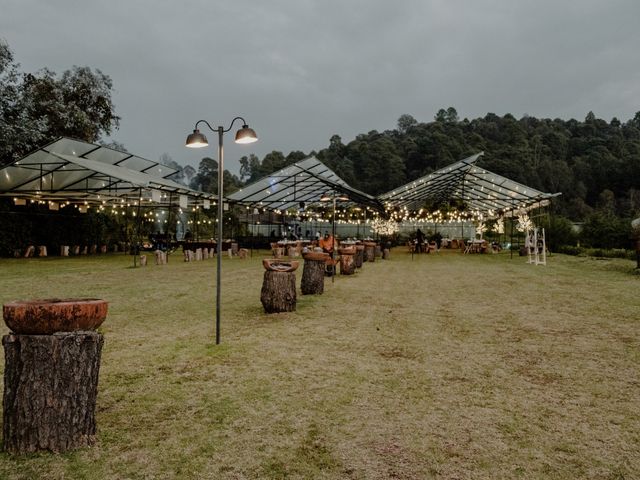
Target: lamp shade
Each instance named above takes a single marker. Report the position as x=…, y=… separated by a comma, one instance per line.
x=246, y=135
x=196, y=140
x=325, y=197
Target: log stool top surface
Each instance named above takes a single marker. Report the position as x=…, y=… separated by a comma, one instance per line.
x=48, y=316
x=277, y=265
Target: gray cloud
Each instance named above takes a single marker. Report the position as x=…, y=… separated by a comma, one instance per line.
x=300, y=71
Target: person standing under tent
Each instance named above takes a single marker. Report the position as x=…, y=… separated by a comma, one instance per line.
x=419, y=240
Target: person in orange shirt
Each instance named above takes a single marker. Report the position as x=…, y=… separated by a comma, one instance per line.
x=327, y=243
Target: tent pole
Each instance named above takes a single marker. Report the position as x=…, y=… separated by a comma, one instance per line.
x=136, y=247
x=512, y=211
x=169, y=226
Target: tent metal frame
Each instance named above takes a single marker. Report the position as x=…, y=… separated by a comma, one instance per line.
x=77, y=171
x=305, y=182
x=477, y=188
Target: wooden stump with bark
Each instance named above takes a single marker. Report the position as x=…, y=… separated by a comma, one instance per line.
x=50, y=389
x=278, y=291
x=370, y=251
x=347, y=262
x=312, y=282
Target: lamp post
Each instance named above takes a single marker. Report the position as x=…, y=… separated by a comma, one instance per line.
x=331, y=196
x=198, y=140
x=358, y=210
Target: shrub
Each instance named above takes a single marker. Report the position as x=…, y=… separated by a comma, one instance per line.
x=603, y=230
x=570, y=250
x=559, y=232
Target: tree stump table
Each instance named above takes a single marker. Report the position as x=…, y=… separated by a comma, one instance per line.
x=370, y=251
x=278, y=292
x=52, y=360
x=347, y=263
x=359, y=257
x=313, y=273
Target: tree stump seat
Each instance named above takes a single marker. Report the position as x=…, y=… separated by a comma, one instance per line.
x=312, y=282
x=52, y=361
x=278, y=292
x=370, y=251
x=347, y=261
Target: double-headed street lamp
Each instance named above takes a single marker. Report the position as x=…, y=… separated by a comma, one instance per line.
x=198, y=140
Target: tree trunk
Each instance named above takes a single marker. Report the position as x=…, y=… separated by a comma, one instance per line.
x=312, y=277
x=370, y=251
x=50, y=389
x=347, y=264
x=278, y=291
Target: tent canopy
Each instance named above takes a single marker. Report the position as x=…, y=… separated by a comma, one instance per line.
x=305, y=181
x=476, y=188
x=69, y=169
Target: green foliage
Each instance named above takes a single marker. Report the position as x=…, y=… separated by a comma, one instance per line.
x=559, y=231
x=570, y=250
x=605, y=230
x=206, y=180
x=37, y=108
x=597, y=252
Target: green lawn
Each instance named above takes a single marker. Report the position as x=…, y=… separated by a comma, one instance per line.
x=445, y=366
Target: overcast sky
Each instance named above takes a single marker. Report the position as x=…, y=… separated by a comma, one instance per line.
x=300, y=71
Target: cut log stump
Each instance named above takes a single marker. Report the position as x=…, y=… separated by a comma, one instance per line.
x=278, y=291
x=347, y=264
x=50, y=389
x=313, y=274
x=370, y=251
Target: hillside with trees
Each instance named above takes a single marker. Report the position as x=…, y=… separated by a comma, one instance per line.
x=594, y=164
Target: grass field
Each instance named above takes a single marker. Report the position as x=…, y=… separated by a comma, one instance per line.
x=445, y=366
